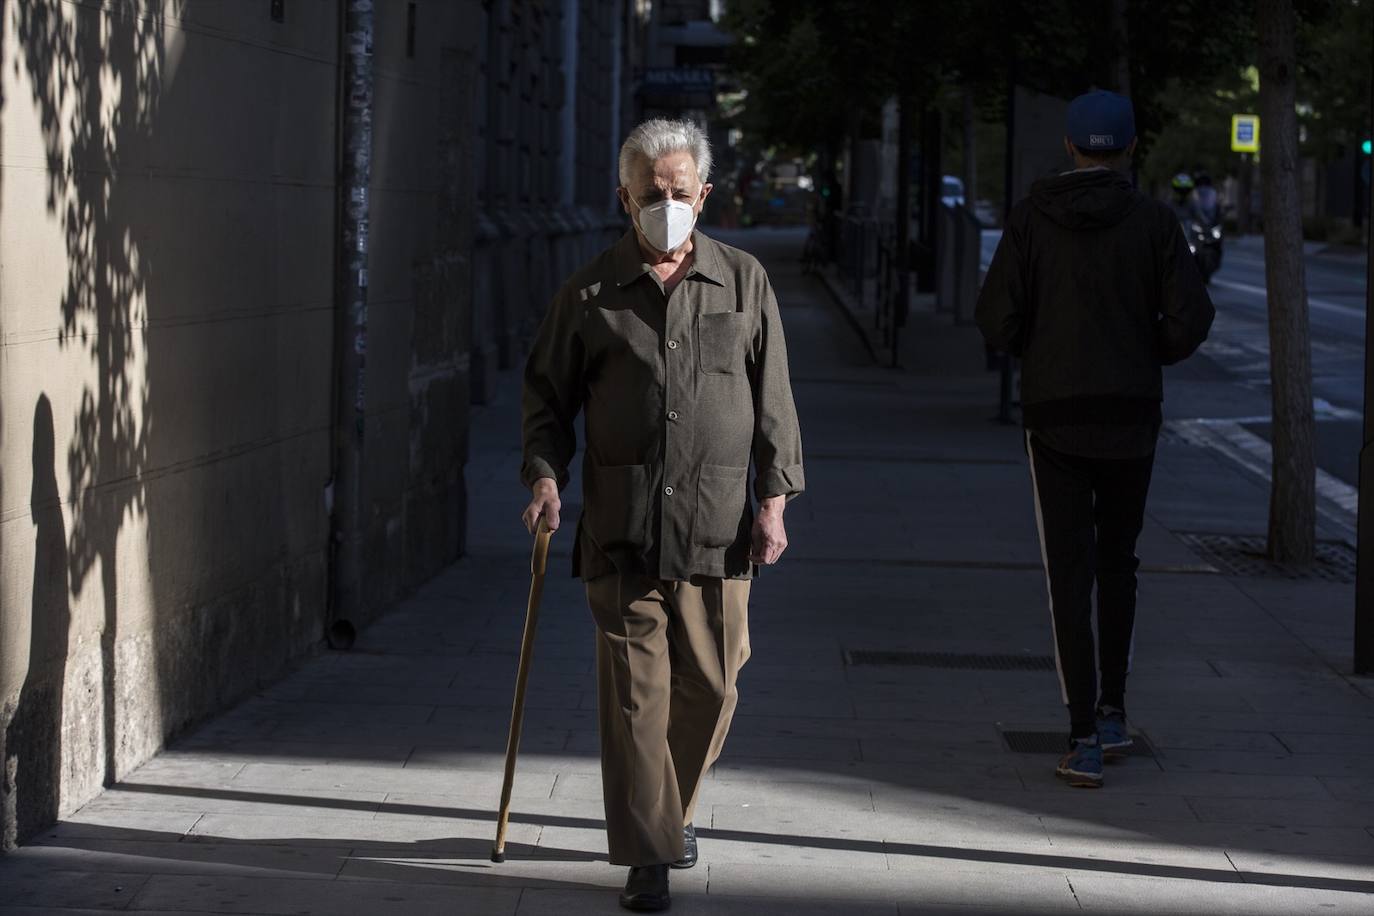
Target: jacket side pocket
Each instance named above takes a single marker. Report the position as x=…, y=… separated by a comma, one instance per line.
x=722, y=501
x=616, y=506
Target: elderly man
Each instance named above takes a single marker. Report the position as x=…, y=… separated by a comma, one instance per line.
x=671, y=345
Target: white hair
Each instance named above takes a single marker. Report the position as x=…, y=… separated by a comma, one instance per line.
x=658, y=138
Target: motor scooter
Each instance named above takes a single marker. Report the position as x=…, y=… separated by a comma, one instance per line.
x=1205, y=244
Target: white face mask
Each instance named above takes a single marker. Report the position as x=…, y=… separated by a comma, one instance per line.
x=667, y=224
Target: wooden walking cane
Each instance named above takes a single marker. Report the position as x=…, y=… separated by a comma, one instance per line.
x=539, y=564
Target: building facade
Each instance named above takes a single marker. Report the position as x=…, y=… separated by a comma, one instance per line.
x=171, y=336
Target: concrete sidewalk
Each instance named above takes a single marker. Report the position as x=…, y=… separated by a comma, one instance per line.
x=366, y=782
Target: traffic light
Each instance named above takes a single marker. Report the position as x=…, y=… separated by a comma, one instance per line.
x=1366, y=147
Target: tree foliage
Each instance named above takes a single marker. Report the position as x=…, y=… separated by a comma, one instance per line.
x=1334, y=56
x=816, y=68
x=1334, y=49
x=1197, y=137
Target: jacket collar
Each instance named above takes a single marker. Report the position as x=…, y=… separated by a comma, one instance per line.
x=630, y=265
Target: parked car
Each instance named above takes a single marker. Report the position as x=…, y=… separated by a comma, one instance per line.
x=952, y=191
x=988, y=213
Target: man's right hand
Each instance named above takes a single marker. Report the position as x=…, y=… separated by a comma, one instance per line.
x=544, y=503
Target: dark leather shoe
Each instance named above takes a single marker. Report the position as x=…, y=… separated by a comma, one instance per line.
x=689, y=848
x=646, y=890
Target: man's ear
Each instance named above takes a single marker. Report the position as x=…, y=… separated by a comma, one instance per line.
x=1130, y=150
x=624, y=196
x=705, y=190
x=1068, y=149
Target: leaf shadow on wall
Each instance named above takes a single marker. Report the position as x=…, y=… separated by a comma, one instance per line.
x=96, y=77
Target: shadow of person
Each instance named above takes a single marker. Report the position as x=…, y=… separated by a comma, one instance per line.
x=33, y=740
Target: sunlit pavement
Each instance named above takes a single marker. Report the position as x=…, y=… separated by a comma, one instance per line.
x=367, y=782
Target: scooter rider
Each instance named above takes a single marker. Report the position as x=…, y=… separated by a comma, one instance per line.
x=1185, y=203
x=1197, y=213
x=1207, y=200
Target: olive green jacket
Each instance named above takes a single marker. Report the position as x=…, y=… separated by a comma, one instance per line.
x=678, y=396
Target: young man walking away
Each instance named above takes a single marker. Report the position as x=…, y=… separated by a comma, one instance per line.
x=1094, y=288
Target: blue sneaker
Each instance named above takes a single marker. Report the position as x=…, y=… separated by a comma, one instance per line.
x=1082, y=765
x=1112, y=734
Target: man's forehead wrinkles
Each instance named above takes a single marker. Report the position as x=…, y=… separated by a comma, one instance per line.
x=681, y=183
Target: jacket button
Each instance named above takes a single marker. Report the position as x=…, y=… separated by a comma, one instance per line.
x=668, y=491
x=672, y=415
x=672, y=345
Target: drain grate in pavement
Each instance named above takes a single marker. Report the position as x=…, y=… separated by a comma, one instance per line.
x=1244, y=555
x=1058, y=742
x=970, y=662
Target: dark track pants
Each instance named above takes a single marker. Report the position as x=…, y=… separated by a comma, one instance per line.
x=1090, y=512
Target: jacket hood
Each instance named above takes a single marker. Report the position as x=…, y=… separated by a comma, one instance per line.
x=1093, y=199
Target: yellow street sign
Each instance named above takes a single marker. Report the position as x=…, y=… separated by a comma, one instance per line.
x=1245, y=133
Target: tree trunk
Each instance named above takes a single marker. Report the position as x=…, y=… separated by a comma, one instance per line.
x=1121, y=38
x=1293, y=495
x=970, y=150
x=932, y=183
x=899, y=315
x=1364, y=569
x=1245, y=206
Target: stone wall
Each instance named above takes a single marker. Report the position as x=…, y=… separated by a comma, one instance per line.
x=168, y=199
x=532, y=230
x=166, y=213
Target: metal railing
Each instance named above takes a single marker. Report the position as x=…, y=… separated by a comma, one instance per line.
x=959, y=248
x=866, y=256
x=864, y=250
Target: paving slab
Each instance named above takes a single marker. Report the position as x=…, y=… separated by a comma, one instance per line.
x=463, y=834
x=913, y=832
x=1145, y=778
x=29, y=882
x=100, y=824
x=939, y=882
x=298, y=803
x=1332, y=872
x=345, y=898
x=1232, y=837
x=484, y=778
x=1196, y=739
x=600, y=903
x=71, y=911
x=140, y=856
x=551, y=868
x=1282, y=811
x=1334, y=766
x=1188, y=897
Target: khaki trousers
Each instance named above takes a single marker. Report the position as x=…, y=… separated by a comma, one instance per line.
x=667, y=654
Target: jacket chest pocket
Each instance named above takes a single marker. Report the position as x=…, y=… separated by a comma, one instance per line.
x=720, y=342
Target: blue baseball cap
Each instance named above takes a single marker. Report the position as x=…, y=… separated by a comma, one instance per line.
x=1101, y=121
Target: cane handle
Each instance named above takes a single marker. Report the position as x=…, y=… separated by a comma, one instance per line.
x=539, y=561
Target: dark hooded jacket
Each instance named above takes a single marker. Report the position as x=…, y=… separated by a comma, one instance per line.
x=1094, y=288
